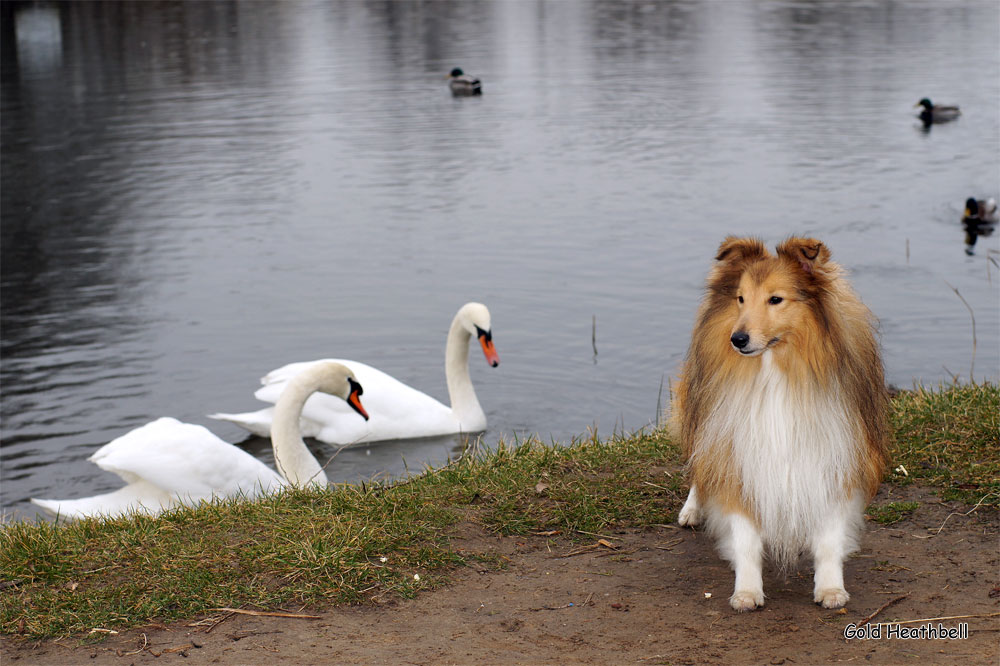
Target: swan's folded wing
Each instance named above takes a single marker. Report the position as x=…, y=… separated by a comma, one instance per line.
x=396, y=410
x=184, y=460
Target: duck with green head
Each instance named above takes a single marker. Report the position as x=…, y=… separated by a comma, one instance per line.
x=936, y=113
x=463, y=85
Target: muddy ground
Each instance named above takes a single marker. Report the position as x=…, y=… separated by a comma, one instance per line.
x=659, y=596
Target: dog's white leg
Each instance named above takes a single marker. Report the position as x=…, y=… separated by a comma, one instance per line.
x=742, y=546
x=829, y=548
x=690, y=514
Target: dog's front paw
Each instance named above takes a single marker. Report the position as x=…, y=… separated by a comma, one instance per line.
x=690, y=515
x=746, y=600
x=831, y=597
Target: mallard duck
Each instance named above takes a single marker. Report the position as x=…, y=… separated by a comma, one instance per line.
x=983, y=210
x=936, y=113
x=979, y=219
x=463, y=85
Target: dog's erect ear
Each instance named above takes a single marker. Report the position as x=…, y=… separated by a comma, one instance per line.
x=808, y=253
x=740, y=250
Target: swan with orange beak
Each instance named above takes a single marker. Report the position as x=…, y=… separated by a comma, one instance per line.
x=397, y=411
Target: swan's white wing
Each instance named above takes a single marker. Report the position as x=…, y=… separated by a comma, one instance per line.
x=185, y=461
x=396, y=410
x=259, y=422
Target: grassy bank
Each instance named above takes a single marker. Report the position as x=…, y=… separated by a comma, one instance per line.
x=349, y=544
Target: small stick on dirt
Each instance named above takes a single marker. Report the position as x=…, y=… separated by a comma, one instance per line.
x=603, y=536
x=882, y=608
x=670, y=545
x=293, y=616
x=935, y=619
x=182, y=649
x=589, y=597
x=145, y=644
x=655, y=485
x=218, y=622
x=956, y=513
x=569, y=605
x=590, y=548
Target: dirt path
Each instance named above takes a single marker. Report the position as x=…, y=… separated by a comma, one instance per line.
x=645, y=602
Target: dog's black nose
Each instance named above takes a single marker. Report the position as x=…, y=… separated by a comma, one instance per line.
x=740, y=339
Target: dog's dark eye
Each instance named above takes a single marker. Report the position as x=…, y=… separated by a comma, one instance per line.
x=739, y=298
x=774, y=300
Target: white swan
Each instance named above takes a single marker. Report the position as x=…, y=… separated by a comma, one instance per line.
x=398, y=411
x=166, y=463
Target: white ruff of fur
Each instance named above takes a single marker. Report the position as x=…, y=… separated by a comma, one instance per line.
x=795, y=453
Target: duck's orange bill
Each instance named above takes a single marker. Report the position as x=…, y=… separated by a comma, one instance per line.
x=489, y=351
x=355, y=401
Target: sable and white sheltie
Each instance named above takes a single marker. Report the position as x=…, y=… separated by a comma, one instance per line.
x=781, y=409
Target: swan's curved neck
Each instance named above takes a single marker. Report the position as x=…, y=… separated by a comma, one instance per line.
x=464, y=403
x=291, y=456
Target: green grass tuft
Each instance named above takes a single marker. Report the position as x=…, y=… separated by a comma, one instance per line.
x=950, y=438
x=891, y=512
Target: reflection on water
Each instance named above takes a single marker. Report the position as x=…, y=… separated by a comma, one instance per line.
x=196, y=193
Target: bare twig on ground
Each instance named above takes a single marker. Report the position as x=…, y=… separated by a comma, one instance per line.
x=211, y=622
x=882, y=608
x=587, y=549
x=541, y=608
x=240, y=611
x=957, y=513
x=603, y=536
x=670, y=544
x=145, y=644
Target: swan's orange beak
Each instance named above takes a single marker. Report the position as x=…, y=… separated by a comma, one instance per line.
x=354, y=398
x=489, y=351
x=355, y=402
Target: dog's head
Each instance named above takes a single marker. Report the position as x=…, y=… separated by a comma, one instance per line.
x=772, y=300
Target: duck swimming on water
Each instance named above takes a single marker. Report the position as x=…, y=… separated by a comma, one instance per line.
x=983, y=210
x=979, y=219
x=463, y=85
x=936, y=113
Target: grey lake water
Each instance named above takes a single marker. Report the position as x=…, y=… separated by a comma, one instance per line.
x=196, y=193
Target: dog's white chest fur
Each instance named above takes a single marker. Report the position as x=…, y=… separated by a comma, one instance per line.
x=793, y=451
